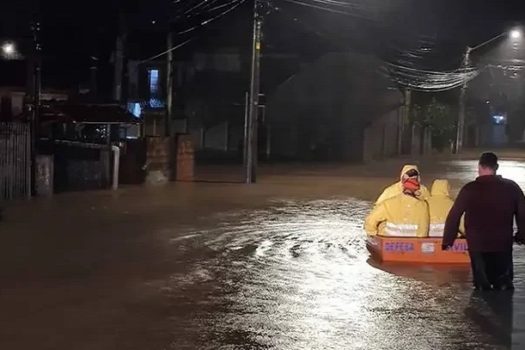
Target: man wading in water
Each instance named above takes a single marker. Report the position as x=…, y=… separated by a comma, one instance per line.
x=490, y=204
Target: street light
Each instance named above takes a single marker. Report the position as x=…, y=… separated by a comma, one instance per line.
x=515, y=34
x=9, y=50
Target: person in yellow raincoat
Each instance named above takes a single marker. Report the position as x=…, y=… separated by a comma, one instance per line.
x=439, y=205
x=397, y=188
x=403, y=215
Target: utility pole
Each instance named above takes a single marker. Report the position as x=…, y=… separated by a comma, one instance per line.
x=120, y=82
x=37, y=90
x=253, y=106
x=404, y=117
x=93, y=79
x=462, y=106
x=169, y=84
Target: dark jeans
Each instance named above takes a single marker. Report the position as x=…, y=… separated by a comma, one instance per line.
x=492, y=269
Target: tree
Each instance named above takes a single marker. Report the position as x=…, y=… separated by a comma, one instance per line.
x=441, y=120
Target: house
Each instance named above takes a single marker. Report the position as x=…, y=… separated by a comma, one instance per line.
x=341, y=107
x=14, y=100
x=82, y=139
x=209, y=97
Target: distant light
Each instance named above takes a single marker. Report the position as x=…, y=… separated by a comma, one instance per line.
x=8, y=49
x=153, y=22
x=156, y=103
x=487, y=102
x=153, y=76
x=516, y=34
x=499, y=119
x=135, y=109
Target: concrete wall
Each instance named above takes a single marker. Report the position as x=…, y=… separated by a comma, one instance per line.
x=236, y=137
x=284, y=140
x=158, y=153
x=381, y=137
x=154, y=124
x=216, y=137
x=221, y=137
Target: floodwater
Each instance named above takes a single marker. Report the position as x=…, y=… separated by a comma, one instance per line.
x=280, y=265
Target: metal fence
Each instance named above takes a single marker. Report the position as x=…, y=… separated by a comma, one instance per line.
x=15, y=160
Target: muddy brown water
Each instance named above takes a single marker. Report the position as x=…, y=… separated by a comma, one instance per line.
x=280, y=265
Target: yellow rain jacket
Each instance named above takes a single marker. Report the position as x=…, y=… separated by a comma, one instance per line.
x=439, y=205
x=400, y=216
x=397, y=188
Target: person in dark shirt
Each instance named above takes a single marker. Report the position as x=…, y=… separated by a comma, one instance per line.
x=490, y=205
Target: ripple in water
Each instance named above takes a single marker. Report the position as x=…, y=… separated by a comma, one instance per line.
x=298, y=276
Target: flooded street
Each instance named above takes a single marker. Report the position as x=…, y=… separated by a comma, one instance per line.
x=279, y=265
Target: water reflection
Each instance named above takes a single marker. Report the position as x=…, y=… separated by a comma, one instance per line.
x=492, y=313
x=298, y=276
x=437, y=275
x=466, y=170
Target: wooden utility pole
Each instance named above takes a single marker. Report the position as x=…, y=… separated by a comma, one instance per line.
x=120, y=79
x=93, y=79
x=169, y=84
x=404, y=118
x=253, y=106
x=460, y=130
x=37, y=91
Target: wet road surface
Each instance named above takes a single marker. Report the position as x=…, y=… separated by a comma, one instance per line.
x=281, y=265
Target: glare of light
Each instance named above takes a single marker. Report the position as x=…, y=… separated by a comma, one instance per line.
x=498, y=119
x=516, y=34
x=135, y=109
x=8, y=49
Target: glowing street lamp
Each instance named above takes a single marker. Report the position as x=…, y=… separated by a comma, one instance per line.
x=8, y=50
x=516, y=34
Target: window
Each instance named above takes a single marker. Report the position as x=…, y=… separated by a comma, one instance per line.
x=135, y=109
x=155, y=100
x=153, y=78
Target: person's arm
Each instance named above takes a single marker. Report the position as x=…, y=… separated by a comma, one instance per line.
x=374, y=219
x=520, y=215
x=454, y=218
x=462, y=233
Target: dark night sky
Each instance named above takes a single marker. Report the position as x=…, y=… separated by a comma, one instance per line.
x=72, y=31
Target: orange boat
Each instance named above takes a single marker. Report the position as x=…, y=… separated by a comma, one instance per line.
x=417, y=250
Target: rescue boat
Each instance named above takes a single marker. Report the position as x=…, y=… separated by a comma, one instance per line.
x=417, y=250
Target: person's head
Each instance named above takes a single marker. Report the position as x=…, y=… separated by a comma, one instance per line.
x=488, y=164
x=410, y=171
x=411, y=184
x=440, y=187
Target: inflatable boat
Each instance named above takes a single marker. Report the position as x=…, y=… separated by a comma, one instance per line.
x=417, y=250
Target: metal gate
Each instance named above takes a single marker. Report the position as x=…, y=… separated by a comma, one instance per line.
x=15, y=160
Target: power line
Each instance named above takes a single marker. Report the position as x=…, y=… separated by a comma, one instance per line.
x=167, y=51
